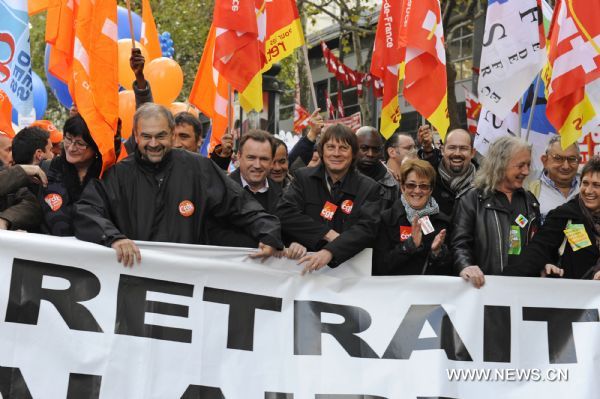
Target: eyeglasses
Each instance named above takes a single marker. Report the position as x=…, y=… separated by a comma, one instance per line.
x=79, y=145
x=413, y=186
x=459, y=148
x=572, y=160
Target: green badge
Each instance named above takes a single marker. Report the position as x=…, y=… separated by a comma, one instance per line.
x=515, y=240
x=577, y=236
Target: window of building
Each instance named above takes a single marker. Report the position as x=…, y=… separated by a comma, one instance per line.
x=460, y=48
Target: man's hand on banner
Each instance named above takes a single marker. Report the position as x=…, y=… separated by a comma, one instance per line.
x=316, y=124
x=552, y=271
x=127, y=252
x=597, y=275
x=36, y=174
x=295, y=251
x=331, y=235
x=264, y=252
x=4, y=224
x=474, y=275
x=315, y=261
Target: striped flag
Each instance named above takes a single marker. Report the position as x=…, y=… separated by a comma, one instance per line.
x=425, y=85
x=473, y=109
x=340, y=104
x=385, y=64
x=94, y=84
x=572, y=75
x=330, y=107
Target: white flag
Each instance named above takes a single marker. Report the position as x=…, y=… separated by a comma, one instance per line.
x=513, y=53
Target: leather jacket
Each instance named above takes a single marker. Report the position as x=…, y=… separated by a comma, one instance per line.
x=481, y=230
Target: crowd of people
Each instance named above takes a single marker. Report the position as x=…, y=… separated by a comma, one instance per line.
x=423, y=209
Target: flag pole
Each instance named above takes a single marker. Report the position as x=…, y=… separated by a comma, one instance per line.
x=533, y=104
x=130, y=23
x=309, y=77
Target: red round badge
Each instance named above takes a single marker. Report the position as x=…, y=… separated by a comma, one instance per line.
x=54, y=201
x=186, y=208
x=347, y=206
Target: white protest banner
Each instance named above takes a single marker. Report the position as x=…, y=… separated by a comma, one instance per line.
x=513, y=53
x=206, y=322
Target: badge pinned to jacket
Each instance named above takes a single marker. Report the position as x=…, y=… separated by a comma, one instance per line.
x=328, y=211
x=347, y=206
x=54, y=201
x=186, y=208
x=405, y=233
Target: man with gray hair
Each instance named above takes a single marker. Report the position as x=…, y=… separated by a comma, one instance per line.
x=558, y=182
x=496, y=218
x=160, y=193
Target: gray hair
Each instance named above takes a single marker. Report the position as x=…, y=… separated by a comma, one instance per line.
x=493, y=169
x=152, y=110
x=556, y=139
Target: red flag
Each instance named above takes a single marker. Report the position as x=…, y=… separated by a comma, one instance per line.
x=301, y=118
x=330, y=107
x=340, y=103
x=473, y=108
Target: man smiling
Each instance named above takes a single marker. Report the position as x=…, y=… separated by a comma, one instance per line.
x=331, y=209
x=164, y=194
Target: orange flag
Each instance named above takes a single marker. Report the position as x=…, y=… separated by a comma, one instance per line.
x=149, y=32
x=60, y=25
x=386, y=63
x=425, y=86
x=210, y=91
x=94, y=85
x=6, y=115
x=36, y=6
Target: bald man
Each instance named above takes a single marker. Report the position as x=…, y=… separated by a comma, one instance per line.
x=455, y=171
x=5, y=150
x=369, y=163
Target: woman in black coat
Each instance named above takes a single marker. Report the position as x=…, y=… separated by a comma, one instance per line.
x=68, y=174
x=412, y=232
x=568, y=243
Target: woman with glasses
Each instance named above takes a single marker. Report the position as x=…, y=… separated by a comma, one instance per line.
x=568, y=244
x=412, y=232
x=68, y=174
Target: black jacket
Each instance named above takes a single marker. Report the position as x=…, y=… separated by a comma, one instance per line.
x=396, y=255
x=481, y=230
x=300, y=213
x=445, y=197
x=59, y=197
x=18, y=205
x=545, y=245
x=232, y=236
x=169, y=201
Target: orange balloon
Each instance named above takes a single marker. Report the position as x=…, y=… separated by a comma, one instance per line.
x=166, y=79
x=126, y=75
x=126, y=111
x=178, y=107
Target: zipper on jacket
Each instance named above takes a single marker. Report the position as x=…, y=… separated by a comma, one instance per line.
x=499, y=239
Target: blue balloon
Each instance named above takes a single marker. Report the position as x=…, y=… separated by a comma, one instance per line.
x=57, y=86
x=123, y=24
x=166, y=35
x=170, y=43
x=40, y=99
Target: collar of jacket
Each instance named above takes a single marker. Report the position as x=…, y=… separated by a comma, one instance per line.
x=350, y=184
x=491, y=200
x=154, y=167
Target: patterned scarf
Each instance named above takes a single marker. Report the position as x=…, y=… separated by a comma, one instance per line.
x=431, y=208
x=457, y=182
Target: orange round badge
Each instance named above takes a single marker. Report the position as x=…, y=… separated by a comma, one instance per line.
x=347, y=206
x=186, y=208
x=54, y=201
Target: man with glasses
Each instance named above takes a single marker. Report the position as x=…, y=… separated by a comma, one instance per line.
x=455, y=171
x=369, y=157
x=397, y=147
x=558, y=182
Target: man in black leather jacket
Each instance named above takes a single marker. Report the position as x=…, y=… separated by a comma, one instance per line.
x=497, y=218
